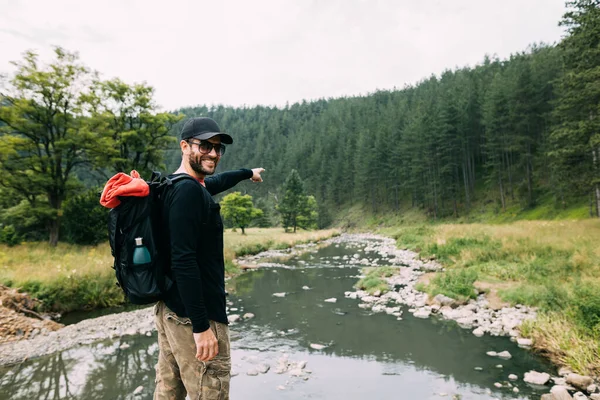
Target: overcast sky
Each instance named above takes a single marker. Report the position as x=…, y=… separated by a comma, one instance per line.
x=248, y=52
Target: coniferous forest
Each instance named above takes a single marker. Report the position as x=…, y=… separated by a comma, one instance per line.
x=505, y=134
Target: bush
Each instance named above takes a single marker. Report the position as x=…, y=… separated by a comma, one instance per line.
x=586, y=307
x=457, y=284
x=9, y=236
x=84, y=219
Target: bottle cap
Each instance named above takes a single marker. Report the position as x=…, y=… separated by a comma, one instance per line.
x=138, y=241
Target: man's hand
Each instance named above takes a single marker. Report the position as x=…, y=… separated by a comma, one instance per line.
x=207, y=346
x=256, y=174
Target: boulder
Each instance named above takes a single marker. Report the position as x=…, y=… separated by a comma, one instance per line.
x=444, y=300
x=560, y=393
x=422, y=313
x=579, y=381
x=523, y=342
x=536, y=378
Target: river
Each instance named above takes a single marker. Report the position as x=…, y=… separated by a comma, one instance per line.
x=361, y=354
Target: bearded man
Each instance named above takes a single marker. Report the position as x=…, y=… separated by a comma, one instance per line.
x=193, y=335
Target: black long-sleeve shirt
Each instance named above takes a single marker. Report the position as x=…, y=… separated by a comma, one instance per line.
x=194, y=232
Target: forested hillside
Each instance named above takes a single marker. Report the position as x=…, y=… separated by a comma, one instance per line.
x=504, y=133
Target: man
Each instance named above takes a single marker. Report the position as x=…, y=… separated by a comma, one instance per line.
x=193, y=336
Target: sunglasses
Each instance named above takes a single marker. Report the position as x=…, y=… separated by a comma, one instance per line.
x=206, y=147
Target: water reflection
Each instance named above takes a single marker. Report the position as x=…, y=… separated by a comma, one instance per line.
x=367, y=354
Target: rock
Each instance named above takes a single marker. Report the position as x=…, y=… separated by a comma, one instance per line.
x=302, y=364
x=280, y=387
x=593, y=388
x=233, y=318
x=536, y=378
x=252, y=372
x=492, y=353
x=124, y=346
x=263, y=368
x=305, y=287
x=138, y=390
x=499, y=366
x=505, y=355
x=513, y=377
x=296, y=372
x=330, y=300
x=478, y=369
x=523, y=342
x=580, y=396
x=444, y=300
x=579, y=381
x=560, y=393
x=564, y=371
x=547, y=396
x=248, y=316
x=422, y=313
x=498, y=385
x=595, y=396
x=479, y=332
x=516, y=390
x=317, y=346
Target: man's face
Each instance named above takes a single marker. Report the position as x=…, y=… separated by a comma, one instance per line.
x=203, y=163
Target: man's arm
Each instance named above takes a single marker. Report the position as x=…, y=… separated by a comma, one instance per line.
x=226, y=180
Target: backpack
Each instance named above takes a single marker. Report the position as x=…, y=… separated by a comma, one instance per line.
x=135, y=218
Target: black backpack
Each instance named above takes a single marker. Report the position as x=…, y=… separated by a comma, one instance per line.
x=139, y=217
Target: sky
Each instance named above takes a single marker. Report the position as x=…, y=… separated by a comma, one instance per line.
x=273, y=52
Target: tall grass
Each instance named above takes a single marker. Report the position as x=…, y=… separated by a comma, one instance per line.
x=70, y=277
x=554, y=265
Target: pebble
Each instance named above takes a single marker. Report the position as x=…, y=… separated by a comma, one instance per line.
x=513, y=377
x=317, y=346
x=330, y=300
x=281, y=294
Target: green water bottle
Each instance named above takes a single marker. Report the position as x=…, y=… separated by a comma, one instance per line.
x=141, y=255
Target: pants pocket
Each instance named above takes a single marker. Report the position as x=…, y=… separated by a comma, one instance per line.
x=215, y=383
x=171, y=316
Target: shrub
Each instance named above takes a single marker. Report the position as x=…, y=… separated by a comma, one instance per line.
x=84, y=219
x=457, y=284
x=9, y=236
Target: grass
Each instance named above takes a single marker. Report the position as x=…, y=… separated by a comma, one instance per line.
x=71, y=277
x=373, y=280
x=553, y=265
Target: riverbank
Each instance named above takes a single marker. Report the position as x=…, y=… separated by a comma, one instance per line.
x=551, y=265
x=406, y=271
x=68, y=277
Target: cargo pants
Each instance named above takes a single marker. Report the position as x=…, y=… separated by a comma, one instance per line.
x=178, y=372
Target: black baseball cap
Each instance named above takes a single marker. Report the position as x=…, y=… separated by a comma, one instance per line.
x=203, y=128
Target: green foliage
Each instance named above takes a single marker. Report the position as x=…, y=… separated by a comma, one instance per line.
x=239, y=210
x=296, y=208
x=457, y=284
x=59, y=118
x=373, y=280
x=84, y=220
x=586, y=307
x=75, y=293
x=9, y=236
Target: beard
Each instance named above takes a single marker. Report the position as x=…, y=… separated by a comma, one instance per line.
x=196, y=164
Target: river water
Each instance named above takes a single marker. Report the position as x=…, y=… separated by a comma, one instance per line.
x=366, y=355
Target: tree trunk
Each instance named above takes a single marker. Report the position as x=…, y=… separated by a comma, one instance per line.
x=502, y=199
x=243, y=231
x=54, y=230
x=529, y=177
x=596, y=155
